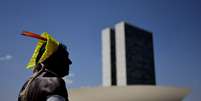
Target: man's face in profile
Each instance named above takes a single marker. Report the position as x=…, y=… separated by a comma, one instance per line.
x=59, y=61
x=67, y=63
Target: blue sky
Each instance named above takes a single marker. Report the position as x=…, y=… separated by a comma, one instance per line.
x=176, y=27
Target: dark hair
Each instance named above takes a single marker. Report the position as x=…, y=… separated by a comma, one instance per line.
x=41, y=51
x=38, y=66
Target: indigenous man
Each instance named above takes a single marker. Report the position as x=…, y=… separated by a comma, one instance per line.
x=49, y=63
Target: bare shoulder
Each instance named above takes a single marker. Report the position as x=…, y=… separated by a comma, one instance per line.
x=50, y=84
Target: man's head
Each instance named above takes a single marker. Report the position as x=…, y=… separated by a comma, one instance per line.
x=59, y=61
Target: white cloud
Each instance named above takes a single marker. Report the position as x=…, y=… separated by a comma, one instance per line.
x=6, y=57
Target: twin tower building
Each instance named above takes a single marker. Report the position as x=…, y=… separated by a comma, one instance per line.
x=127, y=56
x=128, y=59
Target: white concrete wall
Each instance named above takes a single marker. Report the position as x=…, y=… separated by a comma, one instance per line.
x=120, y=54
x=106, y=57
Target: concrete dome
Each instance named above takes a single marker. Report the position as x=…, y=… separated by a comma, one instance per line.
x=128, y=93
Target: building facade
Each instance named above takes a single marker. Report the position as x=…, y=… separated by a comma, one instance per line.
x=127, y=56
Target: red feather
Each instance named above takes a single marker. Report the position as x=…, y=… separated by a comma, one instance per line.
x=33, y=35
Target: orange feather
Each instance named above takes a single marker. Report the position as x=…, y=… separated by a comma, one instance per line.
x=33, y=35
